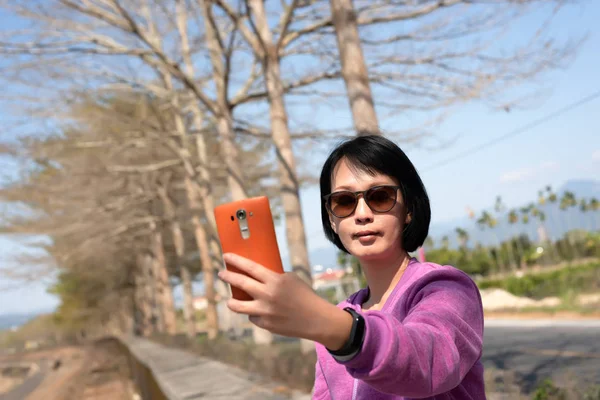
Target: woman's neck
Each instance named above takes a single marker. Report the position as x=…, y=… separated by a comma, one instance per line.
x=382, y=277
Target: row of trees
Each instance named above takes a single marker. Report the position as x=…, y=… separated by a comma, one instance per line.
x=512, y=249
x=145, y=114
x=500, y=259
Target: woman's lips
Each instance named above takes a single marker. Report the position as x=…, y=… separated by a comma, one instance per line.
x=365, y=236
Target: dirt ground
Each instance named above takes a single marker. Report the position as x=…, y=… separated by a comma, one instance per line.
x=94, y=371
x=532, y=315
x=7, y=383
x=103, y=373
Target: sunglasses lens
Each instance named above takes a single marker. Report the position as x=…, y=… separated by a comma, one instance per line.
x=342, y=204
x=381, y=199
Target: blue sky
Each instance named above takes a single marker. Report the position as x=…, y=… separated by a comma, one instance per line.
x=565, y=148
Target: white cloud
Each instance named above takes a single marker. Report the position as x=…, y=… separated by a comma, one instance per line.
x=528, y=173
x=518, y=175
x=548, y=166
x=596, y=156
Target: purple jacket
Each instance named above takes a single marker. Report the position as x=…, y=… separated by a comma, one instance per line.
x=426, y=342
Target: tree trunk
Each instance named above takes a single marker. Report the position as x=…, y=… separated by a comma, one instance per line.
x=191, y=189
x=224, y=117
x=228, y=319
x=142, y=302
x=165, y=292
x=225, y=129
x=203, y=183
x=193, y=192
x=290, y=187
x=354, y=67
x=188, y=301
x=125, y=314
x=179, y=244
x=151, y=294
x=212, y=321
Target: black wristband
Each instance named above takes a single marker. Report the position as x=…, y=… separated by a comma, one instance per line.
x=357, y=335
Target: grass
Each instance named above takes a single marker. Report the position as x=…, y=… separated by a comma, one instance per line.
x=40, y=329
x=562, y=283
x=588, y=310
x=505, y=384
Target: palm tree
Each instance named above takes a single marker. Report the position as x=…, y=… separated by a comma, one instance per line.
x=463, y=238
x=513, y=220
x=499, y=207
x=524, y=214
x=594, y=205
x=445, y=242
x=541, y=198
x=551, y=198
x=487, y=221
x=513, y=217
x=544, y=239
x=429, y=243
x=343, y=259
x=567, y=201
x=347, y=262
x=542, y=202
x=584, y=208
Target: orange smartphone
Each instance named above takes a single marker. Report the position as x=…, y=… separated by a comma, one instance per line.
x=246, y=228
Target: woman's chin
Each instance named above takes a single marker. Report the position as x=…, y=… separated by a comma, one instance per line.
x=367, y=252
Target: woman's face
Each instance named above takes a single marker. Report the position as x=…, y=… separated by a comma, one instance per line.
x=366, y=234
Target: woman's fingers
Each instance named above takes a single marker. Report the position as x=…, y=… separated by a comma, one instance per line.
x=255, y=270
x=243, y=282
x=251, y=308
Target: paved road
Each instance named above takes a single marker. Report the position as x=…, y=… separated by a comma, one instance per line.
x=536, y=350
x=24, y=389
x=540, y=350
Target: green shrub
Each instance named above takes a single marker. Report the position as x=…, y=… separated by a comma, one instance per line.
x=549, y=391
x=563, y=283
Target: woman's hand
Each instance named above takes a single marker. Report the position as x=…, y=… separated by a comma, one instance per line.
x=285, y=305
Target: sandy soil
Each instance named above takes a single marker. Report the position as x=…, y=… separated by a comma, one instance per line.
x=94, y=371
x=100, y=373
x=8, y=383
x=498, y=302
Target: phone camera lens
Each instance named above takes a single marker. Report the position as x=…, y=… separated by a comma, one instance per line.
x=241, y=215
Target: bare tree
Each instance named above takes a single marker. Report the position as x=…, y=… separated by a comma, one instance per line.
x=264, y=48
x=423, y=58
x=163, y=286
x=426, y=58
x=354, y=67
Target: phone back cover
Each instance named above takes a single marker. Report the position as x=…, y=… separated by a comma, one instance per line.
x=260, y=247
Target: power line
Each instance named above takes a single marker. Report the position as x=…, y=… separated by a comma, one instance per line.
x=517, y=131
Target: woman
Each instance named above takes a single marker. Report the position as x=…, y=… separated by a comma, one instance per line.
x=416, y=331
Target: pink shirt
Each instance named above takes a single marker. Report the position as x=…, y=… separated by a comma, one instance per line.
x=426, y=342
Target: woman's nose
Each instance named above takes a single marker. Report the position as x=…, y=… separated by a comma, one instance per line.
x=363, y=212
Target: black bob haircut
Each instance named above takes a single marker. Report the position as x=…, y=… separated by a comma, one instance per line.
x=376, y=154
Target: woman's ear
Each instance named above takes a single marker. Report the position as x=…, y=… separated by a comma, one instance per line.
x=408, y=219
x=332, y=223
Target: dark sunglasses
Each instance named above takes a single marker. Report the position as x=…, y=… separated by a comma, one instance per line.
x=380, y=199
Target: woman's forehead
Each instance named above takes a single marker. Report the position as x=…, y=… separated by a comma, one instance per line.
x=346, y=174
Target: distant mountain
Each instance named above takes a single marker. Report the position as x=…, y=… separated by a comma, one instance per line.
x=9, y=321
x=582, y=188
x=557, y=222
